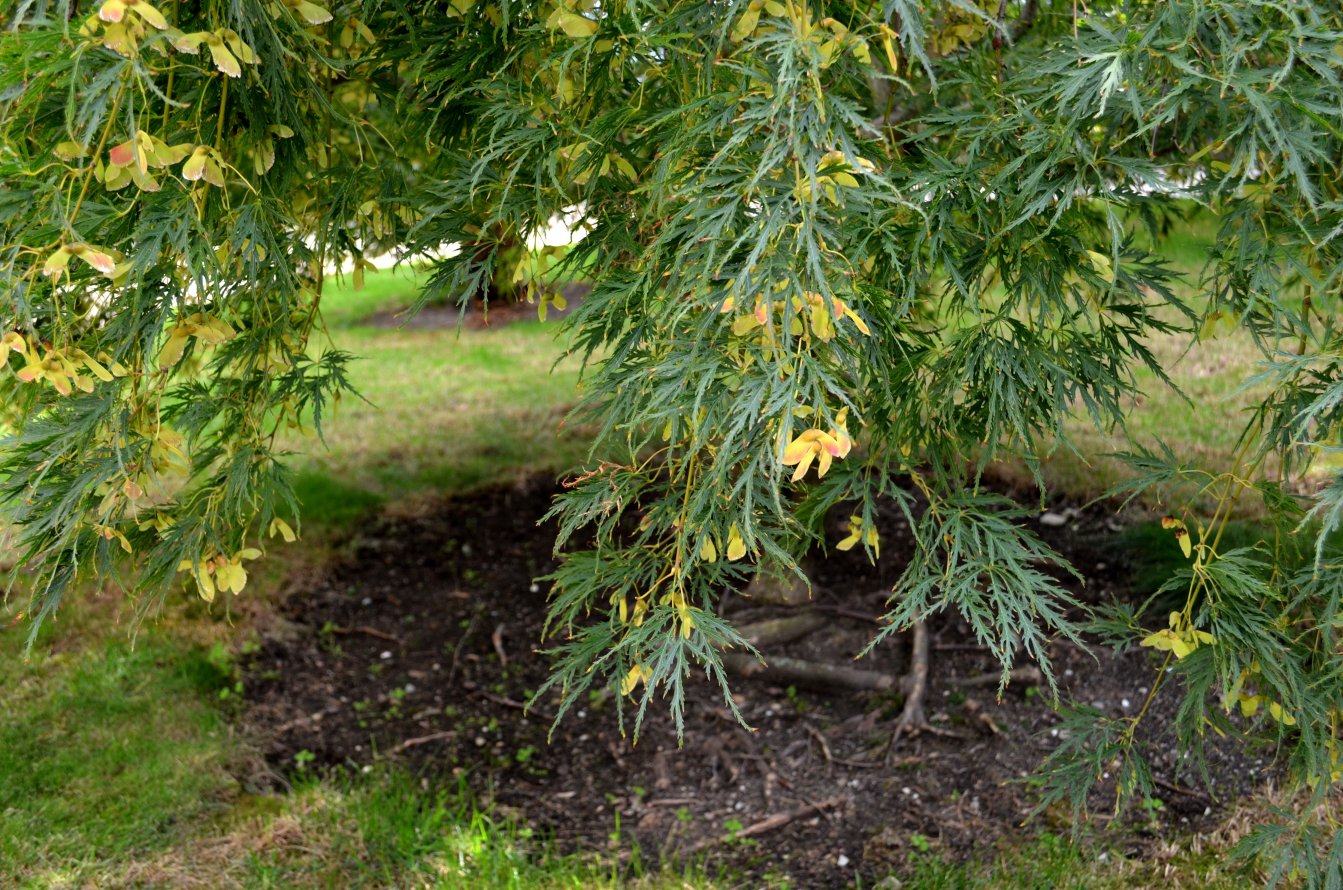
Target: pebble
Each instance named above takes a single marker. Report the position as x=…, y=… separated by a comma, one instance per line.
x=535, y=588
x=1053, y=520
x=410, y=687
x=1124, y=703
x=842, y=861
x=366, y=601
x=387, y=653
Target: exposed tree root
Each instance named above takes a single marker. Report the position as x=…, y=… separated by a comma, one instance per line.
x=1028, y=675
x=812, y=674
x=777, y=631
x=915, y=686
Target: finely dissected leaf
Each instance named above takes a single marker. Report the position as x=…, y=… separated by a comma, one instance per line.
x=841, y=262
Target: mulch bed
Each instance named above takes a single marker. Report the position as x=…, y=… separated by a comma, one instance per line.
x=423, y=643
x=476, y=317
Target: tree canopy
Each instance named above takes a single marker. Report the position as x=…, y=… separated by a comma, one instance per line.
x=841, y=253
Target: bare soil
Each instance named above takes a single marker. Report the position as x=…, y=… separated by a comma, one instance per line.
x=423, y=644
x=477, y=316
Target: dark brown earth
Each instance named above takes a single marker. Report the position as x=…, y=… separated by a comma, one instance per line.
x=477, y=316
x=423, y=644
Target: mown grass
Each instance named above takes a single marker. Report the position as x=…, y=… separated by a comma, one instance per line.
x=104, y=751
x=437, y=410
x=119, y=765
x=1050, y=862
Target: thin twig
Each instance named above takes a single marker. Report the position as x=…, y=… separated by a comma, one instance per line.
x=367, y=631
x=457, y=650
x=515, y=705
x=778, y=820
x=820, y=739
x=424, y=740
x=1180, y=789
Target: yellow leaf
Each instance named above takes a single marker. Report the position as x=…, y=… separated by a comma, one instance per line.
x=150, y=14
x=1277, y=712
x=821, y=323
x=1159, y=640
x=736, y=547
x=173, y=349
x=1186, y=547
x=800, y=447
x=1101, y=263
x=69, y=151
x=96, y=367
x=637, y=674
x=112, y=10
x=224, y=60
x=32, y=369
x=823, y=465
x=887, y=44
x=575, y=25
x=746, y=25
x=205, y=585
x=194, y=168
x=804, y=464
x=280, y=527
x=744, y=324
x=311, y=12
x=231, y=577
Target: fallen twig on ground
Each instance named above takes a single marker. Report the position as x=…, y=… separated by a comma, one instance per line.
x=778, y=820
x=367, y=631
